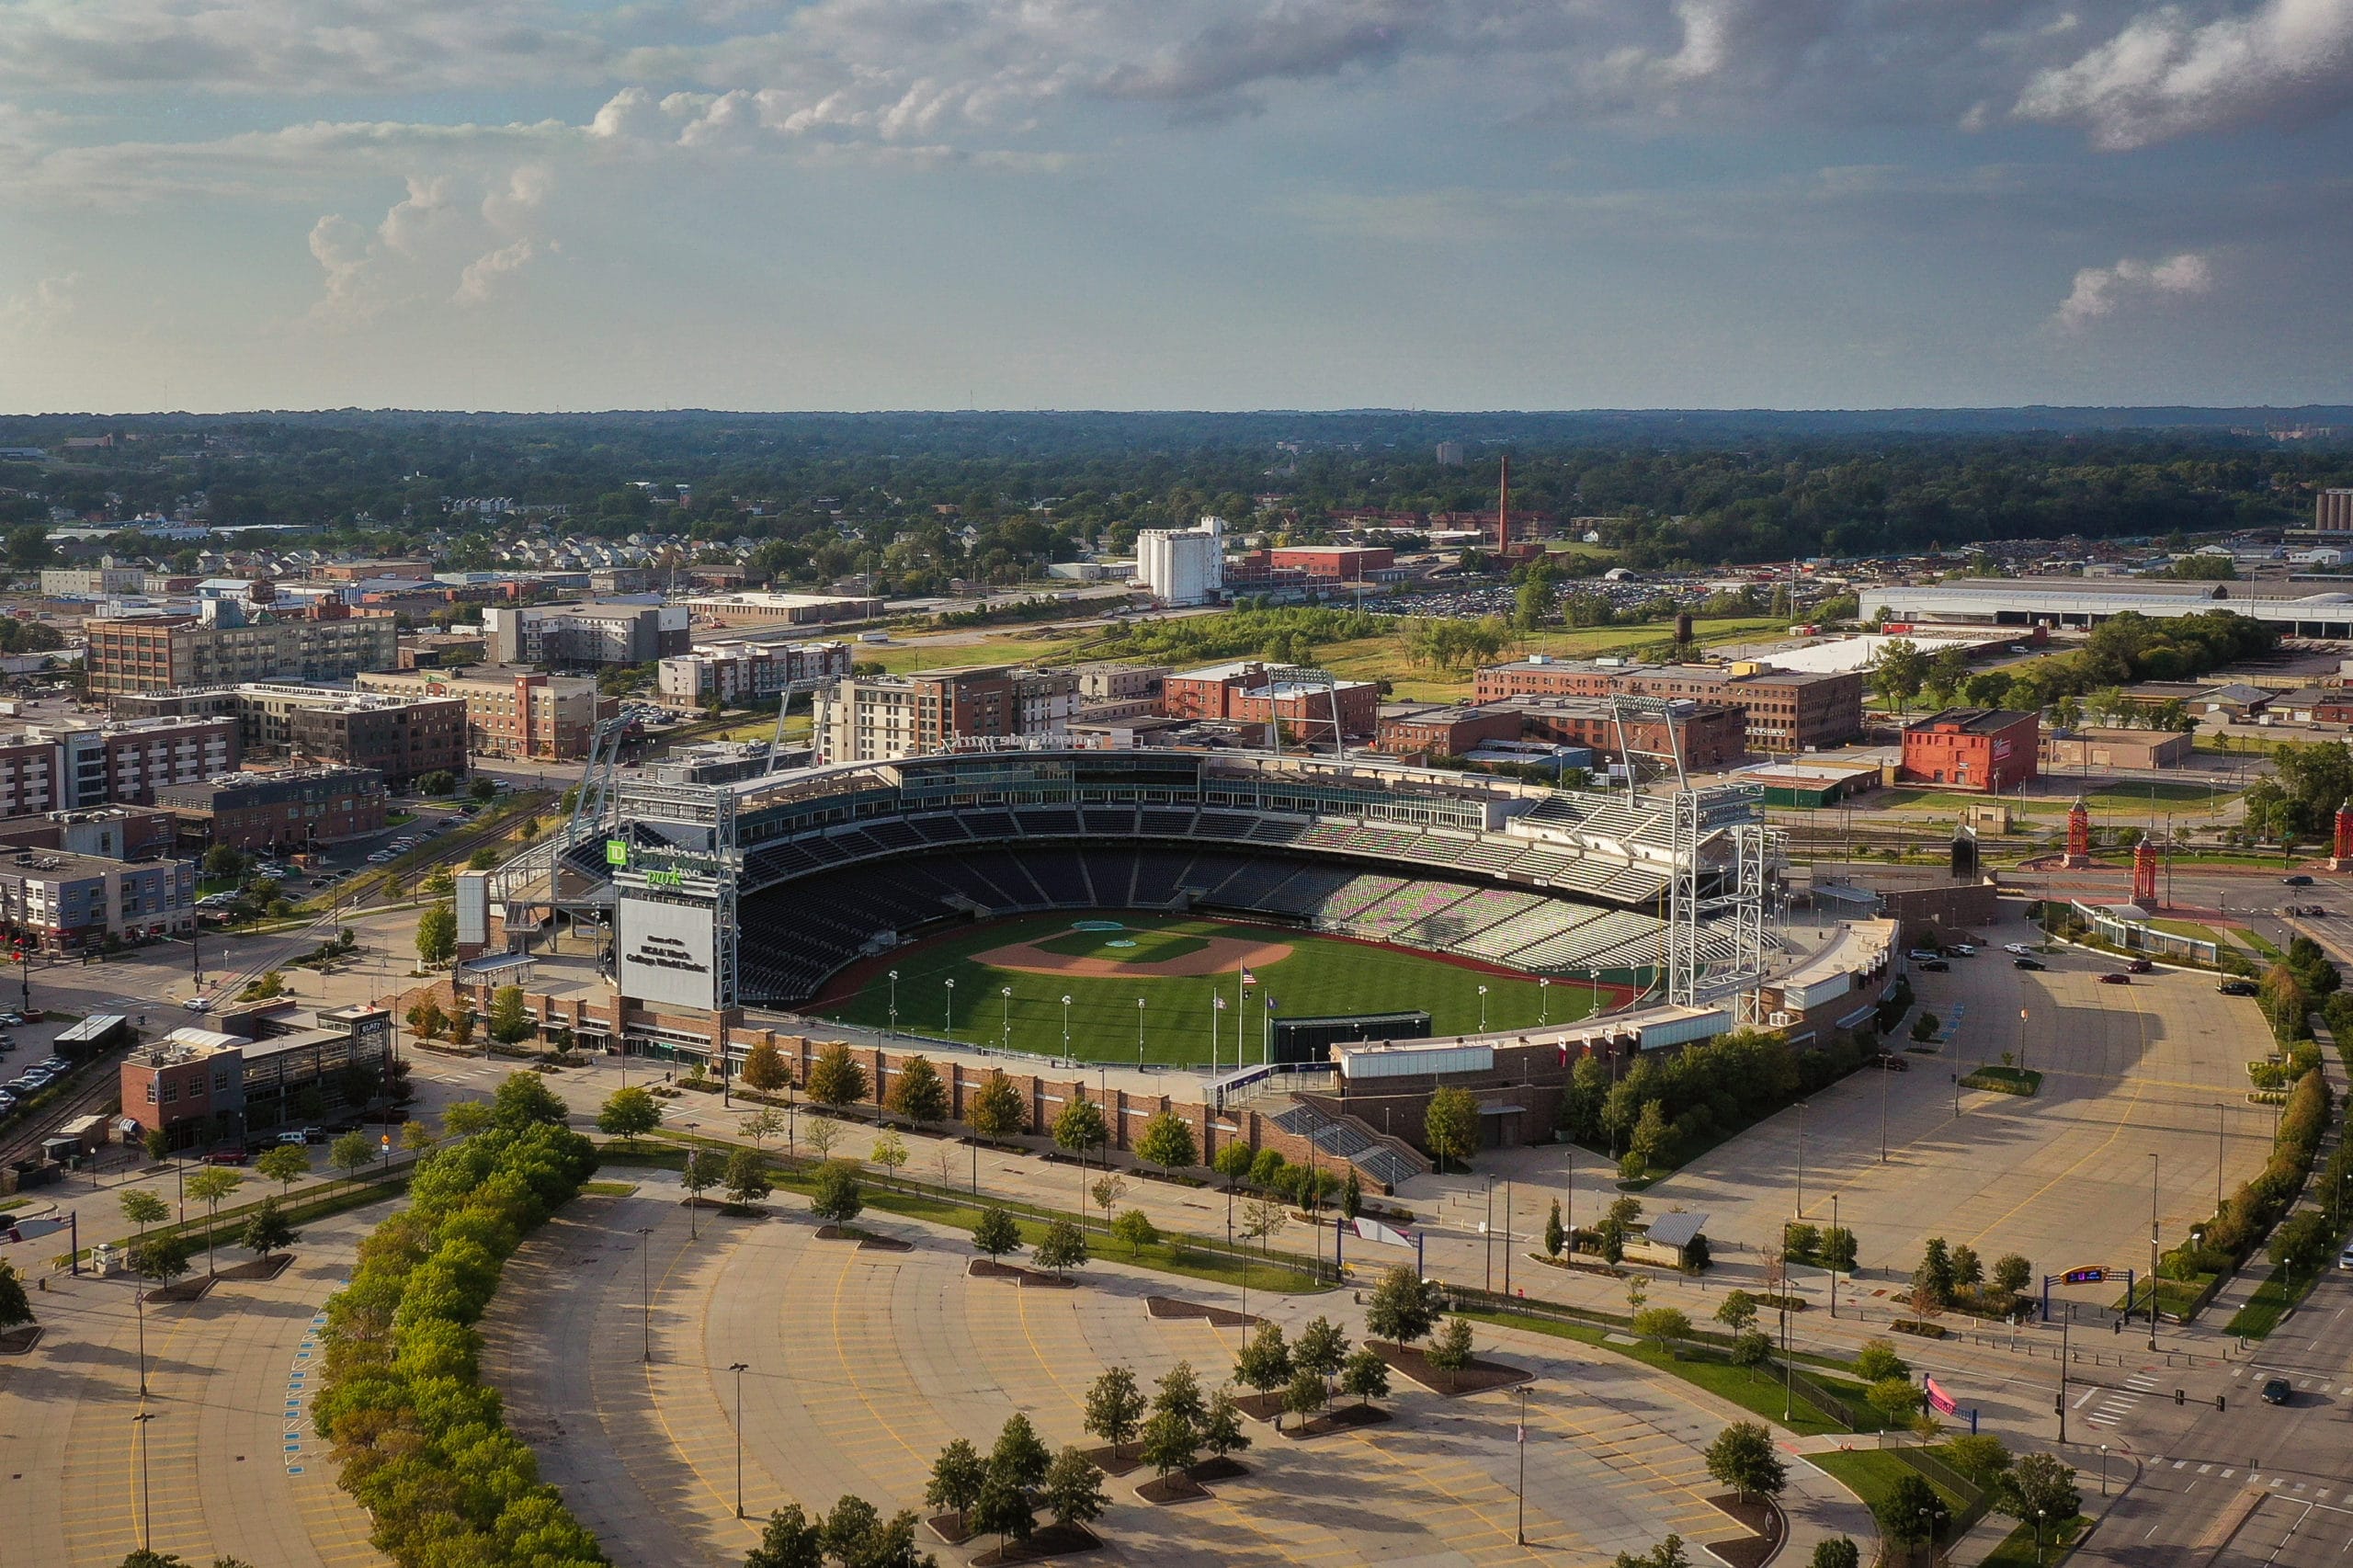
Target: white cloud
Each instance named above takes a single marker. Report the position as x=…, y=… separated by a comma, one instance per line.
x=428, y=245
x=2099, y=290
x=49, y=303
x=2167, y=74
x=483, y=274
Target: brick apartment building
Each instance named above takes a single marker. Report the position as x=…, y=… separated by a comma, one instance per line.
x=51, y=767
x=164, y=652
x=1324, y=562
x=1786, y=710
x=262, y=1068
x=738, y=672
x=1444, y=731
x=286, y=810
x=1971, y=748
x=401, y=736
x=1713, y=734
x=1245, y=692
x=509, y=713
x=877, y=718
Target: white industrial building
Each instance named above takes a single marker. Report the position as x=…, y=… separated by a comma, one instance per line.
x=1183, y=566
x=2299, y=609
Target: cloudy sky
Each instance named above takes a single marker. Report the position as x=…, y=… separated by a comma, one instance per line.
x=230, y=204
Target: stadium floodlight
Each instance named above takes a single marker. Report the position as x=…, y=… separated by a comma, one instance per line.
x=951, y=1009
x=1543, y=1001
x=1483, y=1009
x=1065, y=1029
x=1139, y=1032
x=894, y=1003
x=1008, y=1018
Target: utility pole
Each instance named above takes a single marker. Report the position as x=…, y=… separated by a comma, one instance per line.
x=739, y=1368
x=1519, y=1532
x=2153, y=1252
x=2065, y=1323
x=645, y=1286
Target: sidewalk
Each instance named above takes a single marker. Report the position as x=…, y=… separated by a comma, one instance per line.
x=2240, y=1289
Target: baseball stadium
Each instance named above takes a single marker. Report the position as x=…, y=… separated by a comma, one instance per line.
x=1205, y=910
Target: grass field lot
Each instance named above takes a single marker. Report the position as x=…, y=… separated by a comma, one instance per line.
x=2131, y=801
x=1321, y=975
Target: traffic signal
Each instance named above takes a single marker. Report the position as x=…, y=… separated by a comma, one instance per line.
x=2179, y=1397
x=2218, y=1402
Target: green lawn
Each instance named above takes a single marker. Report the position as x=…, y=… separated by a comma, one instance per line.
x=2269, y=1304
x=1758, y=1392
x=2005, y=1080
x=2017, y=1548
x=1322, y=975
x=2256, y=942
x=1873, y=1475
x=2191, y=929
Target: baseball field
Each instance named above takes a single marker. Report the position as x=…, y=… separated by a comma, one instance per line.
x=1009, y=978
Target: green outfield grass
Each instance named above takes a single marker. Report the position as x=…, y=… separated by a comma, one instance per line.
x=1322, y=975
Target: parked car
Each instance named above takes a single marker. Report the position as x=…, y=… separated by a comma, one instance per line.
x=2345, y=1259
x=1889, y=1062
x=2116, y=978
x=2298, y=880
x=2138, y=966
x=1921, y=955
x=199, y=1003
x=1962, y=949
x=225, y=1157
x=2027, y=963
x=294, y=1138
x=2276, y=1390
x=2239, y=988
x=1934, y=966
x=2017, y=950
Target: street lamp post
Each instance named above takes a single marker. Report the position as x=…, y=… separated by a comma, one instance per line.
x=1884, y=1076
x=1802, y=1107
x=1065, y=1028
x=1007, y=994
x=2153, y=1252
x=2103, y=1470
x=1543, y=1001
x=739, y=1368
x=1833, y=1252
x=1139, y=1033
x=1519, y=1532
x=146, y=1497
x=645, y=1287
x=139, y=1300
x=1487, y=1236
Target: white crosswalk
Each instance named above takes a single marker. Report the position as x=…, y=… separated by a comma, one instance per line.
x=2255, y=1478
x=2114, y=1405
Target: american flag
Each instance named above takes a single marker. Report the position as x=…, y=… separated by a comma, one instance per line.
x=1248, y=978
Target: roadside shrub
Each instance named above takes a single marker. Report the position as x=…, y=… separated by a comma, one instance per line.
x=420, y=1442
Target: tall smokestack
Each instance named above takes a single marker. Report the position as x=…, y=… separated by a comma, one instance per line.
x=1503, y=510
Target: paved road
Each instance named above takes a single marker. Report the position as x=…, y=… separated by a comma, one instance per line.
x=863, y=1364
x=231, y=1466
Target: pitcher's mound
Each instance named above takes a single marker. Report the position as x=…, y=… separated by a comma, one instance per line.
x=1216, y=955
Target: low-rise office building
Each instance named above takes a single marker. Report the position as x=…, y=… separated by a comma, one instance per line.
x=1973, y=748
x=62, y=902
x=292, y=810
x=100, y=582
x=109, y=833
x=1707, y=734
x=261, y=1069
x=223, y=646
x=1247, y=691
x=783, y=609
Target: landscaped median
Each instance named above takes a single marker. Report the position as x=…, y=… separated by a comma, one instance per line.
x=420, y=1441
x=1198, y=1257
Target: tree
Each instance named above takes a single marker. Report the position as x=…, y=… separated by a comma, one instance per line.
x=1555, y=1238
x=510, y=1022
x=1738, y=1311
x=996, y=1109
x=143, y=1208
x=746, y=1178
x=1668, y=1553
x=1170, y=1442
x=1264, y=1362
x=1322, y=1349
x=285, y=1165
x=1365, y=1376
x=436, y=934
x=463, y=1118
x=957, y=1476
x=1663, y=1326
x=2012, y=1274
x=699, y=1174
x=1135, y=1228
x=1902, y=670
x=890, y=1151
x=1178, y=1394
x=1744, y=1459
x=1221, y=1432
x=160, y=1258
x=1981, y=1457
x=1403, y=1307
x=485, y=788
x=1018, y=1456
x=824, y=1133
x=764, y=1068
x=789, y=1540
x=1108, y=1190
x=1935, y=1276
x=1003, y=1509
x=1896, y=1399
x=524, y=1100
x=1877, y=1360
x=1063, y=1248
x=2038, y=1486
x=1750, y=1349
x=1166, y=1142
x=462, y=1026
x=267, y=1230
x=917, y=1093
x=1305, y=1393
x=1450, y=1350
x=1073, y=1490
x=428, y=1019
x=16, y=1310
x=208, y=1186
x=1911, y=1511
x=1351, y=1196
x=1450, y=1126
x=996, y=1234
x=1838, y=1249
x=835, y=1079
x=1263, y=1219
x=1839, y=1551
x=1233, y=1162
x=762, y=1125
x=629, y=1113
x=837, y=1197
x=1114, y=1407
x=157, y=1143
